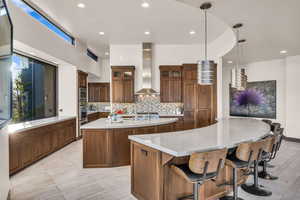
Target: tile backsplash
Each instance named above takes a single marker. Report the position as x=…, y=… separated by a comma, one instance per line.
x=147, y=104
x=142, y=105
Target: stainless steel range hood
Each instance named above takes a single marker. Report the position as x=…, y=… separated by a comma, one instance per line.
x=147, y=71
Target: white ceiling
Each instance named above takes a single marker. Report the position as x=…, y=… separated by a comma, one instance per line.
x=269, y=25
x=125, y=21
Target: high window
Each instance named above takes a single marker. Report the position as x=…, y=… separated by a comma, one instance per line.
x=34, y=89
x=92, y=55
x=44, y=20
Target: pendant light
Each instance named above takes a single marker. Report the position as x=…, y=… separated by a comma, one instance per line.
x=206, y=67
x=238, y=74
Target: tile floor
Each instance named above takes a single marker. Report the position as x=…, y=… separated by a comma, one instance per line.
x=60, y=176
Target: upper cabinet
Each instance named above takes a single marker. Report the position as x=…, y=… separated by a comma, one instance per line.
x=123, y=84
x=170, y=84
x=99, y=92
x=82, y=79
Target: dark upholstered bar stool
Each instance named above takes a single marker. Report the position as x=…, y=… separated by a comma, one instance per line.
x=201, y=167
x=255, y=188
x=245, y=154
x=270, y=154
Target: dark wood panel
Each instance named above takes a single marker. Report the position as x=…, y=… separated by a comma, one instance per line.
x=99, y=92
x=170, y=84
x=111, y=147
x=27, y=147
x=145, y=166
x=96, y=148
x=123, y=84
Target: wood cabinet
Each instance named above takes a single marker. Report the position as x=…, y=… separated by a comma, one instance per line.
x=94, y=116
x=99, y=92
x=170, y=84
x=29, y=146
x=82, y=79
x=154, y=178
x=200, y=101
x=146, y=164
x=111, y=147
x=123, y=84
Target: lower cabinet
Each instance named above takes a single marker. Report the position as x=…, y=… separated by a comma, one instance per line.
x=29, y=146
x=111, y=147
x=145, y=165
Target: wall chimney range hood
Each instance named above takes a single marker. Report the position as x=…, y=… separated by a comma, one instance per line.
x=147, y=71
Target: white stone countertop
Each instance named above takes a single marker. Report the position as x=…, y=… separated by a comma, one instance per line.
x=127, y=123
x=161, y=115
x=226, y=133
x=16, y=128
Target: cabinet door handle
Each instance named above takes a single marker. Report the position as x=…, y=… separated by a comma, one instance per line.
x=144, y=152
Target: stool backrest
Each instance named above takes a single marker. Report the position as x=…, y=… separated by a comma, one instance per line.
x=207, y=162
x=251, y=151
x=275, y=127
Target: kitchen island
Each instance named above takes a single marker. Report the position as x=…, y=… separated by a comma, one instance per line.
x=152, y=177
x=106, y=144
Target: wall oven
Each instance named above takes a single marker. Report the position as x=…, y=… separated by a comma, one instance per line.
x=83, y=105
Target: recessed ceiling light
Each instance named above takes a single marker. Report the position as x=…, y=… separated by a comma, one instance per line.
x=32, y=53
x=101, y=33
x=81, y=5
x=147, y=32
x=283, y=51
x=145, y=5
x=229, y=62
x=106, y=53
x=192, y=32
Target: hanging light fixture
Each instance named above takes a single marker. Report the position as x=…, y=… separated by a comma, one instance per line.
x=238, y=74
x=206, y=67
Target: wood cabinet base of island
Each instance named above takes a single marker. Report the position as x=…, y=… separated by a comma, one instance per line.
x=153, y=179
x=111, y=147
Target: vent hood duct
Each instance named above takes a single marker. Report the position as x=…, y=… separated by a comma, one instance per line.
x=147, y=71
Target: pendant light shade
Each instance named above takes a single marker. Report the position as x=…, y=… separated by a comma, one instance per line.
x=206, y=68
x=239, y=78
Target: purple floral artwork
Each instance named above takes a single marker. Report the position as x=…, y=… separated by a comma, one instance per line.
x=249, y=97
x=258, y=100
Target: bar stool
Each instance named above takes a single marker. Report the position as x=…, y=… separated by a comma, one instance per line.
x=270, y=155
x=244, y=156
x=201, y=167
x=255, y=188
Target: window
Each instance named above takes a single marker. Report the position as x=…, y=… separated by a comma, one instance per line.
x=34, y=89
x=43, y=20
x=92, y=55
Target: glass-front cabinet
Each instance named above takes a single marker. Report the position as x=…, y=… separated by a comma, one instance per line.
x=6, y=47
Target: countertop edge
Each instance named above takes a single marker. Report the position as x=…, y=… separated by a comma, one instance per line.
x=172, y=120
x=40, y=125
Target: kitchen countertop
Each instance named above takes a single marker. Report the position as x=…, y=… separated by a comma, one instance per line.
x=161, y=115
x=127, y=123
x=226, y=133
x=16, y=128
x=95, y=111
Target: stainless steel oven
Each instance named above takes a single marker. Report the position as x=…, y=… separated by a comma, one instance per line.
x=83, y=105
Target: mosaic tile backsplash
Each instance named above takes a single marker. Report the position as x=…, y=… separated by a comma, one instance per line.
x=148, y=104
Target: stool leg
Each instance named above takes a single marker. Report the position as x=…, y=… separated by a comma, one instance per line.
x=255, y=189
x=235, y=187
x=264, y=174
x=268, y=165
x=196, y=191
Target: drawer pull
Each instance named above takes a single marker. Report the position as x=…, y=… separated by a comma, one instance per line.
x=144, y=152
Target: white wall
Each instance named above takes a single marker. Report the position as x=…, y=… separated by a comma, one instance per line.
x=67, y=90
x=286, y=72
x=30, y=32
x=293, y=96
x=104, y=72
x=260, y=71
